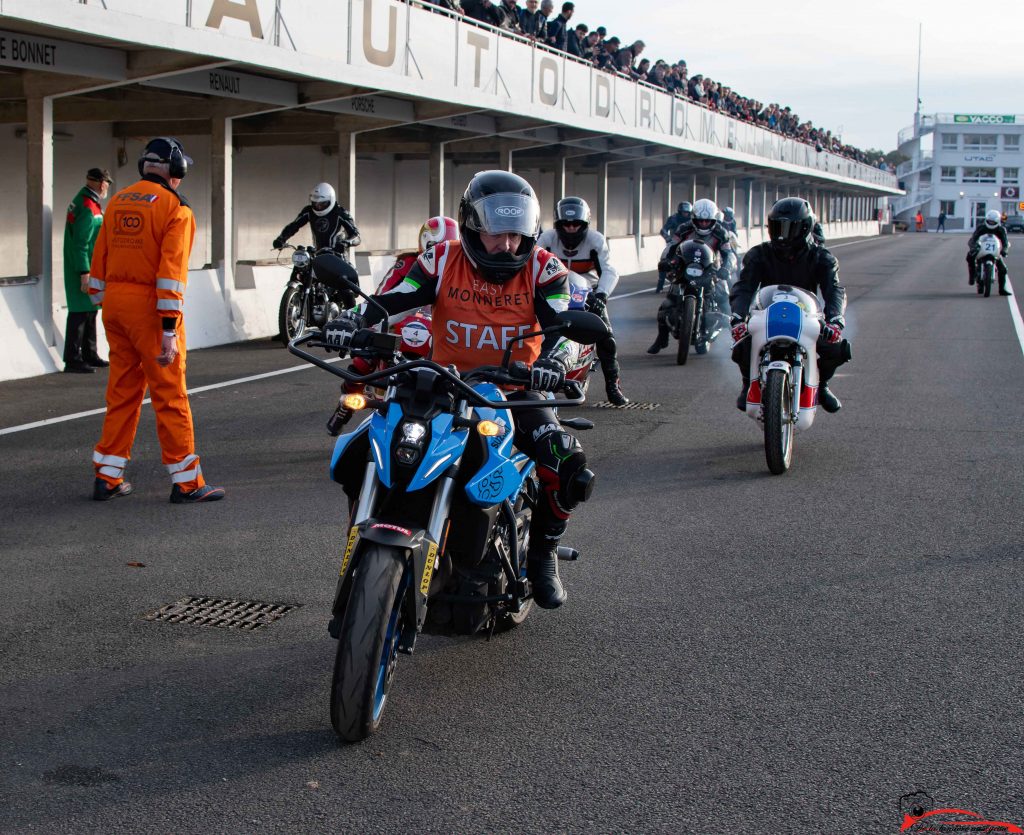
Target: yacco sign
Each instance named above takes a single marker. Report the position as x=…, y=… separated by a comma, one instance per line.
x=28, y=52
x=983, y=119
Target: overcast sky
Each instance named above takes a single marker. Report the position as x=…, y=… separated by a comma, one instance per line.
x=842, y=65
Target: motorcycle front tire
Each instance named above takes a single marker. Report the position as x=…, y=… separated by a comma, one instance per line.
x=987, y=271
x=687, y=318
x=368, y=644
x=778, y=428
x=286, y=324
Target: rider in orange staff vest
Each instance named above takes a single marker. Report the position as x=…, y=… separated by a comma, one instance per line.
x=139, y=272
x=486, y=289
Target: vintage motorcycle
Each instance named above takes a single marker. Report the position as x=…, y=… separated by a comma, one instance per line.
x=307, y=301
x=785, y=324
x=440, y=512
x=694, y=314
x=989, y=248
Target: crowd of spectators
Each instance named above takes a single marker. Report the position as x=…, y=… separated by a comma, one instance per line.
x=537, y=22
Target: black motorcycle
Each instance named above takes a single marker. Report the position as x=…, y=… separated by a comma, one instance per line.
x=308, y=301
x=695, y=315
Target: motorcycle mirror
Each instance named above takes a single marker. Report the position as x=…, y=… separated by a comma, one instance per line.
x=325, y=261
x=583, y=327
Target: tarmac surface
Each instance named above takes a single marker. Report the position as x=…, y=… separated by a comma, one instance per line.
x=740, y=652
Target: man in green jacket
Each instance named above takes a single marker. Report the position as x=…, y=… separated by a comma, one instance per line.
x=84, y=219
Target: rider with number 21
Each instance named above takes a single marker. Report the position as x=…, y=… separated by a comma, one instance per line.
x=487, y=289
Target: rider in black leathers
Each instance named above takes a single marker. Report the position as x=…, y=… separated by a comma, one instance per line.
x=683, y=213
x=790, y=257
x=332, y=227
x=991, y=225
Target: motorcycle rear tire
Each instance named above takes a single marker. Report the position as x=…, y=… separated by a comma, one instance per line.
x=778, y=428
x=286, y=330
x=364, y=666
x=687, y=319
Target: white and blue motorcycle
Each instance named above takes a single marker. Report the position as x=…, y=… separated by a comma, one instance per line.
x=784, y=325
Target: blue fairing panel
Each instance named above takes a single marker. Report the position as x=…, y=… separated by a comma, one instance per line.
x=382, y=429
x=343, y=443
x=785, y=320
x=499, y=478
x=445, y=448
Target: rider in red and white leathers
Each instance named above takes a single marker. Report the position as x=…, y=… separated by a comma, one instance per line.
x=415, y=327
x=584, y=251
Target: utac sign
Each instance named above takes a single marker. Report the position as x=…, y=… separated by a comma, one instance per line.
x=983, y=119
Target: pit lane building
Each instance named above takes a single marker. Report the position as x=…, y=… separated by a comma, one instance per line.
x=962, y=164
x=395, y=104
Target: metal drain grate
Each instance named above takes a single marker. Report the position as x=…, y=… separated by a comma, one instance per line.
x=247, y=615
x=635, y=405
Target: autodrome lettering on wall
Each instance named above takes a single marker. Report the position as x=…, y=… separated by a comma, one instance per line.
x=50, y=55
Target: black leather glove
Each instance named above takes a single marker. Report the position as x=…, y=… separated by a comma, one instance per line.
x=278, y=243
x=598, y=303
x=547, y=374
x=337, y=334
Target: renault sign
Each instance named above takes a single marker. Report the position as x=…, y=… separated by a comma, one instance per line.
x=983, y=119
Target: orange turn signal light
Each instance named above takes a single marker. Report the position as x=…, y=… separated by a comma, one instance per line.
x=355, y=402
x=488, y=428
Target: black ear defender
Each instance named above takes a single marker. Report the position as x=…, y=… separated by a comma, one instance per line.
x=166, y=149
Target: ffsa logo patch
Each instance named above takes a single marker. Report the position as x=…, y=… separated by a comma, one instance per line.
x=552, y=269
x=128, y=223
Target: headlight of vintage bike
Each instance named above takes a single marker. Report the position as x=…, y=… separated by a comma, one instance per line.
x=300, y=258
x=695, y=271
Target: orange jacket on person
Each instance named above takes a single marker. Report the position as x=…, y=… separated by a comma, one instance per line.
x=128, y=251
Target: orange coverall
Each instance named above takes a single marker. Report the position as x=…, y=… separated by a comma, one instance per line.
x=139, y=273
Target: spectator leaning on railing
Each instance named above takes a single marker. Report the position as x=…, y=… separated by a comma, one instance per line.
x=483, y=10
x=577, y=40
x=558, y=29
x=508, y=16
x=533, y=22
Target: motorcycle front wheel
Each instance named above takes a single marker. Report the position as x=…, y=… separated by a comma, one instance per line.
x=687, y=317
x=368, y=644
x=290, y=314
x=987, y=271
x=778, y=424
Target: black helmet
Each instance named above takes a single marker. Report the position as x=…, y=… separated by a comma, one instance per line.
x=695, y=256
x=789, y=224
x=685, y=209
x=497, y=203
x=572, y=210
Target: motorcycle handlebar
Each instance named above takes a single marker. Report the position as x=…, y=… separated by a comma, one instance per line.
x=495, y=374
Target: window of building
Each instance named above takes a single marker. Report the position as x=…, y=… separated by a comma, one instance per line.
x=979, y=141
x=949, y=141
x=1011, y=142
x=948, y=207
x=925, y=177
x=979, y=175
x=948, y=175
x=1011, y=176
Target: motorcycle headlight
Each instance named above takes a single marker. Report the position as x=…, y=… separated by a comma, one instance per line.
x=413, y=433
x=300, y=258
x=694, y=271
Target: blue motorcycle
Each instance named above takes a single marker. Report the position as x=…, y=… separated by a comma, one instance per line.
x=440, y=507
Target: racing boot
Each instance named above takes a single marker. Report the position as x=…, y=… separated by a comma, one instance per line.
x=614, y=392
x=542, y=568
x=829, y=402
x=661, y=341
x=337, y=421
x=741, y=401
x=970, y=277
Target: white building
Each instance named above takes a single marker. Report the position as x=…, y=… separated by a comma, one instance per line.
x=962, y=164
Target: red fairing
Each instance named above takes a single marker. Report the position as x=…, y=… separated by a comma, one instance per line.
x=754, y=393
x=808, y=397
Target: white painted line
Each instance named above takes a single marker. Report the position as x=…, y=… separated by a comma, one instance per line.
x=627, y=295
x=25, y=426
x=1018, y=323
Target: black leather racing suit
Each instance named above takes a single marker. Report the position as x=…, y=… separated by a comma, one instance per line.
x=813, y=269
x=335, y=230
x=972, y=252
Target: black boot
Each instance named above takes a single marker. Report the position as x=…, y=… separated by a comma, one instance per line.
x=614, y=392
x=741, y=401
x=661, y=341
x=336, y=422
x=970, y=278
x=829, y=402
x=542, y=572
x=542, y=560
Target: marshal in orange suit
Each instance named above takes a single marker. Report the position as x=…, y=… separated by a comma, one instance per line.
x=139, y=273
